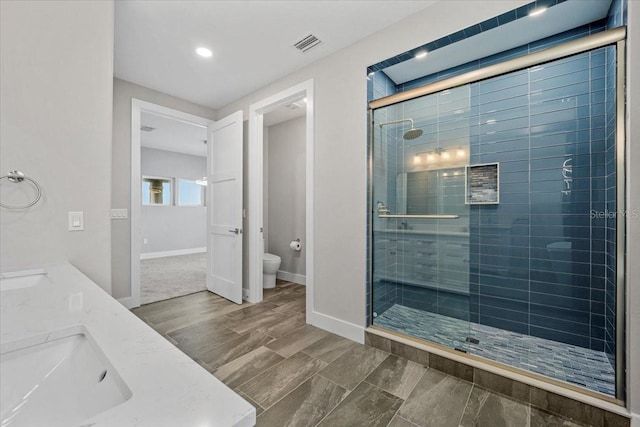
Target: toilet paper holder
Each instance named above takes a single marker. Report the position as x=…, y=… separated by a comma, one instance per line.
x=295, y=245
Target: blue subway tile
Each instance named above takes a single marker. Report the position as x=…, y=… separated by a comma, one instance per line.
x=489, y=24
x=565, y=337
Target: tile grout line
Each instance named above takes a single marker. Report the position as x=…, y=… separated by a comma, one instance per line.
x=466, y=404
x=261, y=372
x=286, y=395
x=350, y=391
x=274, y=403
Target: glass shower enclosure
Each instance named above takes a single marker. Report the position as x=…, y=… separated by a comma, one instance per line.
x=493, y=217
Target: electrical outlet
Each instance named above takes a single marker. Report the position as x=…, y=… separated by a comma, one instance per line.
x=145, y=241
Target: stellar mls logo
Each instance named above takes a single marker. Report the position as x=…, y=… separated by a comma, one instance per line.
x=632, y=214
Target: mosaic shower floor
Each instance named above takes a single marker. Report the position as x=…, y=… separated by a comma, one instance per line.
x=565, y=362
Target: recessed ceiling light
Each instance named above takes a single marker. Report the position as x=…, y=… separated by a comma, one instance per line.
x=421, y=54
x=204, y=52
x=538, y=11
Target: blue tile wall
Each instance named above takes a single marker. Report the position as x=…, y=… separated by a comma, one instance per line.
x=543, y=122
x=566, y=36
x=616, y=17
x=489, y=24
x=516, y=282
x=539, y=262
x=610, y=207
x=617, y=14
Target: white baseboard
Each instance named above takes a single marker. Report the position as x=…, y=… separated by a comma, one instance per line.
x=127, y=302
x=292, y=277
x=336, y=326
x=162, y=254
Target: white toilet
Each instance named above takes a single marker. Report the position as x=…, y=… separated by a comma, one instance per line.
x=270, y=266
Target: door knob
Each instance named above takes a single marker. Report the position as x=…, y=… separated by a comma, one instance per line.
x=235, y=230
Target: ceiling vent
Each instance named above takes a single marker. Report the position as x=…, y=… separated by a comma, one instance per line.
x=307, y=43
x=144, y=128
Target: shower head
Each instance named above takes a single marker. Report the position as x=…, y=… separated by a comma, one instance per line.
x=412, y=133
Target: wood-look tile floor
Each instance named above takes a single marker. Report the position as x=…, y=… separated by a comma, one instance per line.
x=298, y=375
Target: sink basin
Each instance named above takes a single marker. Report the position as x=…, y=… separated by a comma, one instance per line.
x=23, y=279
x=59, y=382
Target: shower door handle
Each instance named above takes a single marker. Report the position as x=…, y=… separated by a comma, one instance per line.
x=235, y=231
x=420, y=216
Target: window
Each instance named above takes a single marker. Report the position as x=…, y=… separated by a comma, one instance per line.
x=156, y=191
x=190, y=193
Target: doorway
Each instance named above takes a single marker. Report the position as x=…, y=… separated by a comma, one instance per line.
x=164, y=189
x=302, y=95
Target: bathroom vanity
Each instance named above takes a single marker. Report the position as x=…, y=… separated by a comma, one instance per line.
x=430, y=259
x=71, y=355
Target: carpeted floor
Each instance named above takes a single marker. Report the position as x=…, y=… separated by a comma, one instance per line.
x=170, y=277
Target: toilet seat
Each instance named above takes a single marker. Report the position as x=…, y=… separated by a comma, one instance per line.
x=270, y=257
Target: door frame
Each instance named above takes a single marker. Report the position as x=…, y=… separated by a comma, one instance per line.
x=255, y=200
x=137, y=108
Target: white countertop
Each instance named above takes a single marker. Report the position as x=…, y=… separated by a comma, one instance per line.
x=168, y=388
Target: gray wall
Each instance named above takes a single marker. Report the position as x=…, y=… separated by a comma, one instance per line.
x=340, y=157
x=123, y=91
x=286, y=184
x=55, y=126
x=169, y=228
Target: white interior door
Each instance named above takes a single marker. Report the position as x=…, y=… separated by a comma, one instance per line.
x=224, y=213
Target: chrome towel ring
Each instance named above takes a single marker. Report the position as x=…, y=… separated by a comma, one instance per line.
x=17, y=177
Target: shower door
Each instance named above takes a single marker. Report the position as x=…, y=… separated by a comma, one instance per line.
x=420, y=218
x=496, y=231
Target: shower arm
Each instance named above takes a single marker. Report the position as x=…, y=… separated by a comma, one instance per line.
x=396, y=122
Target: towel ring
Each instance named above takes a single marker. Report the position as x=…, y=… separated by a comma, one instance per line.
x=17, y=177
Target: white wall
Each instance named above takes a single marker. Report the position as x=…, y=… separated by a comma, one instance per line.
x=340, y=158
x=171, y=228
x=286, y=193
x=55, y=125
x=123, y=91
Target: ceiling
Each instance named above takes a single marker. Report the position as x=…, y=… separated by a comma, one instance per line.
x=173, y=135
x=554, y=20
x=170, y=134
x=252, y=41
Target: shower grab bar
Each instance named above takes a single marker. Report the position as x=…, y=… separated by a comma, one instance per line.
x=421, y=216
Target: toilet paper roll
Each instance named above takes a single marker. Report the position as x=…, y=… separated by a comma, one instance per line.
x=295, y=246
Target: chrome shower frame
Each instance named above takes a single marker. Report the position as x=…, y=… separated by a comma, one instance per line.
x=615, y=37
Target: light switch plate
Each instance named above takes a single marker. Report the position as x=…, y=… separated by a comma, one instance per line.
x=119, y=213
x=76, y=221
